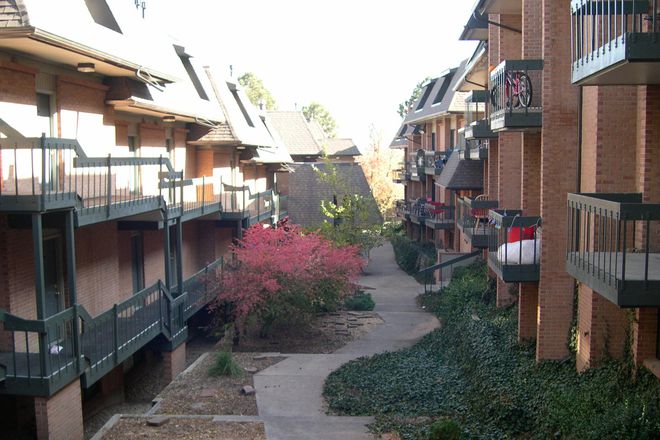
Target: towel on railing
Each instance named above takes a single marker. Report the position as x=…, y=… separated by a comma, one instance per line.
x=510, y=253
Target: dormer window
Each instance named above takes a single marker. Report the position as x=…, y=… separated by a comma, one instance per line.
x=185, y=60
x=101, y=14
x=234, y=93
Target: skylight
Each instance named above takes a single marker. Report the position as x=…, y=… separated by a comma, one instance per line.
x=101, y=14
x=443, y=89
x=185, y=60
x=242, y=107
x=425, y=96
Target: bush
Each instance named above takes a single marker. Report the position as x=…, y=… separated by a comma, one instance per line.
x=412, y=256
x=225, y=365
x=361, y=301
x=445, y=430
x=473, y=371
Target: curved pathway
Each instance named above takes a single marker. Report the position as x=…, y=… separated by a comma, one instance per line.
x=289, y=394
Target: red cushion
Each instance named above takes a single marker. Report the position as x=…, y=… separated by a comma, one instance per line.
x=515, y=233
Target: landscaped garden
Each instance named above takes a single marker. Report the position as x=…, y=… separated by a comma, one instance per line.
x=471, y=379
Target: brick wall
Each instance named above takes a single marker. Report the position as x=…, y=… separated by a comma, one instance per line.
x=154, y=260
x=59, y=417
x=530, y=183
x=492, y=165
x=191, y=256
x=174, y=362
x=528, y=299
x=645, y=333
x=558, y=177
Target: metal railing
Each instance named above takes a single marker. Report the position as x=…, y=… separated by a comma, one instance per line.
x=439, y=213
x=475, y=219
x=613, y=245
x=465, y=259
x=516, y=98
x=44, y=355
x=514, y=249
x=477, y=124
x=606, y=32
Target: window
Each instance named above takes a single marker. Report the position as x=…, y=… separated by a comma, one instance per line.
x=132, y=143
x=101, y=14
x=425, y=96
x=185, y=60
x=433, y=141
x=242, y=107
x=443, y=89
x=137, y=262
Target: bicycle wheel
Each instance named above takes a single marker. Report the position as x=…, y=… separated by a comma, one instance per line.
x=495, y=97
x=524, y=90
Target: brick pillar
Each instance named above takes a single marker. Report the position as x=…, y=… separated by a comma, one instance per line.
x=558, y=177
x=205, y=163
x=506, y=293
x=174, y=362
x=113, y=381
x=528, y=300
x=645, y=334
x=602, y=329
x=493, y=153
x=530, y=182
x=59, y=417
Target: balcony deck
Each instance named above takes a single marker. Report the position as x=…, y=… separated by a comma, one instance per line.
x=615, y=42
x=610, y=250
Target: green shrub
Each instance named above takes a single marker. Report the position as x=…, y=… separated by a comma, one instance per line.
x=445, y=429
x=412, y=256
x=361, y=301
x=473, y=371
x=225, y=365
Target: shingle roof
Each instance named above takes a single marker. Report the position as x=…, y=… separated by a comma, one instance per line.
x=340, y=147
x=12, y=14
x=401, y=138
x=295, y=132
x=461, y=174
x=438, y=97
x=306, y=191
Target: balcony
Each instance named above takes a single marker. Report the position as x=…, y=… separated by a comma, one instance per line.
x=402, y=209
x=514, y=249
x=614, y=247
x=418, y=212
x=239, y=203
x=475, y=150
x=615, y=42
x=45, y=174
x=477, y=123
x=474, y=220
x=516, y=95
x=42, y=356
x=439, y=216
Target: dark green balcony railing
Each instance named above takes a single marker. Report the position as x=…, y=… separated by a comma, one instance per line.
x=516, y=95
x=614, y=248
x=439, y=216
x=477, y=123
x=615, y=42
x=475, y=220
x=42, y=356
x=513, y=259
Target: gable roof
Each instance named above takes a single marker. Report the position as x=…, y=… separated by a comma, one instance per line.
x=461, y=174
x=438, y=97
x=295, y=133
x=306, y=191
x=340, y=147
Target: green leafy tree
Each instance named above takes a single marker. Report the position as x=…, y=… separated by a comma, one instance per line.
x=404, y=107
x=256, y=91
x=319, y=113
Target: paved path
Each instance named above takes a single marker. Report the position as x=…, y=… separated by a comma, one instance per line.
x=289, y=393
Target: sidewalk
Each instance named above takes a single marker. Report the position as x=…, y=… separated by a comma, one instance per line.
x=289, y=394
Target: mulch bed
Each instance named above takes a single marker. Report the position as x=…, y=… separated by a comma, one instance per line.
x=326, y=334
x=185, y=429
x=198, y=393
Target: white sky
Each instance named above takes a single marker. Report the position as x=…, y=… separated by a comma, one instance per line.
x=358, y=58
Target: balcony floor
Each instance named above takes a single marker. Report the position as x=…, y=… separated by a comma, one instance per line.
x=634, y=264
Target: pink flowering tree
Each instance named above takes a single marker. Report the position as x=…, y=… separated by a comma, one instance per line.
x=281, y=276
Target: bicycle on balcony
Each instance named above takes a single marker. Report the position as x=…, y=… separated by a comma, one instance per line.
x=517, y=89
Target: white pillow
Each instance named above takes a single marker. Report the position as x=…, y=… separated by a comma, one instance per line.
x=530, y=255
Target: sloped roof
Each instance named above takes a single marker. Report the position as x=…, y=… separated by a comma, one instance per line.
x=461, y=174
x=306, y=191
x=340, y=147
x=295, y=132
x=401, y=138
x=116, y=39
x=439, y=97
x=316, y=129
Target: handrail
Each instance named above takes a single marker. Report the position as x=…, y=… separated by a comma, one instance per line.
x=451, y=262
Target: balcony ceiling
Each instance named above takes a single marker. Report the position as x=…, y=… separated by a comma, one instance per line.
x=501, y=7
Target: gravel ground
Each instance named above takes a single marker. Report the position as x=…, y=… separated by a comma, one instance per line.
x=96, y=422
x=198, y=393
x=328, y=333
x=186, y=429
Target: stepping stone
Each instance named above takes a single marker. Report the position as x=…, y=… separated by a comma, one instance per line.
x=197, y=405
x=248, y=390
x=251, y=370
x=158, y=421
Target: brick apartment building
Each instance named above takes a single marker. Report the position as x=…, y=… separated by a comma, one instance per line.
x=125, y=172
x=562, y=110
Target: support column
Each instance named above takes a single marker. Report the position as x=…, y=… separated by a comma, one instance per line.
x=70, y=256
x=528, y=300
x=168, y=248
x=59, y=417
x=179, y=254
x=174, y=362
x=38, y=252
x=645, y=334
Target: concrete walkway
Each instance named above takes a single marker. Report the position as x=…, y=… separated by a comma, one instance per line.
x=289, y=394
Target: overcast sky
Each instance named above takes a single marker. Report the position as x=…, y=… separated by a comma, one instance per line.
x=359, y=58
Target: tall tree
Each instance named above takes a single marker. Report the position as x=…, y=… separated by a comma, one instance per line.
x=256, y=91
x=378, y=165
x=404, y=107
x=319, y=113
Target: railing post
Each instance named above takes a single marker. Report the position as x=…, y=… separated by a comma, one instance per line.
x=76, y=338
x=181, y=191
x=160, y=173
x=43, y=170
x=203, y=193
x=109, y=185
x=115, y=332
